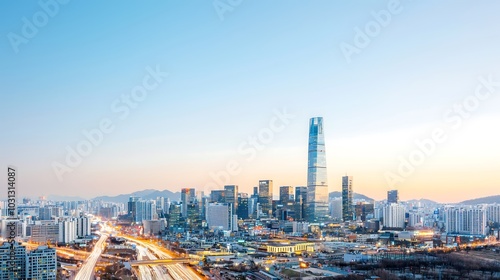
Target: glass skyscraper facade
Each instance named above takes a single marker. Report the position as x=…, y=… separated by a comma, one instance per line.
x=317, y=185
x=347, y=204
x=231, y=196
x=266, y=196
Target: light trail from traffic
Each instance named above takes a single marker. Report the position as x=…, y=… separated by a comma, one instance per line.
x=88, y=266
x=176, y=271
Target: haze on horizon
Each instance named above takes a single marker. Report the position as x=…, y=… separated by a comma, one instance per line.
x=235, y=77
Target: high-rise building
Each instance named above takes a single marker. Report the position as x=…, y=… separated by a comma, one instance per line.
x=142, y=209
x=394, y=216
x=493, y=213
x=131, y=205
x=286, y=195
x=67, y=231
x=42, y=264
x=12, y=261
x=347, y=203
x=466, y=220
x=187, y=196
x=363, y=210
x=217, y=196
x=174, y=216
x=253, y=202
x=219, y=216
x=336, y=209
x=243, y=211
x=317, y=185
x=83, y=225
x=231, y=196
x=266, y=196
x=17, y=263
x=193, y=220
x=392, y=196
x=300, y=203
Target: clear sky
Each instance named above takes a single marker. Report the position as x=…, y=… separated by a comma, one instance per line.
x=64, y=69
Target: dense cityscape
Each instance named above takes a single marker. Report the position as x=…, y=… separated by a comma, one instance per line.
x=260, y=140
x=307, y=233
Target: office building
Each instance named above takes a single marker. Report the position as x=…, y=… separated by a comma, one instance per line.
x=336, y=209
x=243, y=209
x=392, y=196
x=45, y=232
x=217, y=196
x=266, y=197
x=347, y=203
x=300, y=203
x=174, y=216
x=317, y=185
x=286, y=195
x=363, y=210
x=219, y=216
x=187, y=196
x=231, y=196
x=193, y=219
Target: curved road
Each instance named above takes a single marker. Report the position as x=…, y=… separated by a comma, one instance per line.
x=87, y=269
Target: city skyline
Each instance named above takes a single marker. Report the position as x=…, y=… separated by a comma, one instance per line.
x=212, y=86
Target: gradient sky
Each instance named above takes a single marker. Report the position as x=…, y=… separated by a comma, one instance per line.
x=227, y=77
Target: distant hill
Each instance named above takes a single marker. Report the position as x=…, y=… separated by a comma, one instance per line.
x=65, y=198
x=423, y=201
x=145, y=194
x=337, y=194
x=487, y=199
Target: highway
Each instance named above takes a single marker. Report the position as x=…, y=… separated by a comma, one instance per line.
x=176, y=271
x=87, y=269
x=147, y=272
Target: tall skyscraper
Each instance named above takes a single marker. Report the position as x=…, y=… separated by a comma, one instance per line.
x=231, y=192
x=317, y=185
x=392, y=196
x=266, y=196
x=347, y=206
x=187, y=196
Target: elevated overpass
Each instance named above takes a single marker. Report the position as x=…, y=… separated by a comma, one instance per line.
x=160, y=261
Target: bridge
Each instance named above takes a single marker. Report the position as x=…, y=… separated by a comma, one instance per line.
x=160, y=261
